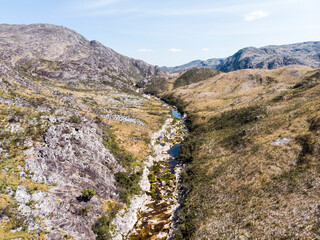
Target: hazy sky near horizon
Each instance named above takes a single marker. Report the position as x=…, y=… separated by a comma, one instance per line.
x=174, y=32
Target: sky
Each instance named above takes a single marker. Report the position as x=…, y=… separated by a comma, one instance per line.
x=174, y=32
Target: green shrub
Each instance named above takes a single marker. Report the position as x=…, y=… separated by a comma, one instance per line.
x=102, y=228
x=152, y=178
x=153, y=191
x=156, y=167
x=129, y=184
x=87, y=194
x=188, y=148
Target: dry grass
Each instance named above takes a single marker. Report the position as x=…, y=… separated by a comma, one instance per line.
x=239, y=184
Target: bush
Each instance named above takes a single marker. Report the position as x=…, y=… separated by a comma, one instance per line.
x=87, y=194
x=129, y=184
x=102, y=228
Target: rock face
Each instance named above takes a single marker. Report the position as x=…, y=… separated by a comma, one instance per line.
x=74, y=155
x=269, y=57
x=72, y=158
x=56, y=52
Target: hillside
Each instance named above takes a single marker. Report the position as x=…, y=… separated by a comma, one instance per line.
x=72, y=129
x=252, y=168
x=269, y=57
x=60, y=54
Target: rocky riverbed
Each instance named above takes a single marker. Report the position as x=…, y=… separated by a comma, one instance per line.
x=149, y=215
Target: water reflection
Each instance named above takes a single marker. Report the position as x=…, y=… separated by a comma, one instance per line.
x=174, y=153
x=176, y=114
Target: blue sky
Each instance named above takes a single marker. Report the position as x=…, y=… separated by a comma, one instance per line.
x=174, y=32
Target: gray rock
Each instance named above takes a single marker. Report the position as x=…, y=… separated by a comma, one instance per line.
x=281, y=141
x=74, y=155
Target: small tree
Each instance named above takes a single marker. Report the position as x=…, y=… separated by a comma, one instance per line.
x=87, y=194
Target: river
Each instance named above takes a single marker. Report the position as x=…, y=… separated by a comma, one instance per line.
x=150, y=214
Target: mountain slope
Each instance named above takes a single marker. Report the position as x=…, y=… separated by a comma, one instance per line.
x=33, y=48
x=70, y=122
x=269, y=57
x=252, y=155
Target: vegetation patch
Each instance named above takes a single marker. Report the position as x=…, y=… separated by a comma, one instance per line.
x=102, y=228
x=129, y=184
x=194, y=75
x=87, y=194
x=155, y=86
x=237, y=117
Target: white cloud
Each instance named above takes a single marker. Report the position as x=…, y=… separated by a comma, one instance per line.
x=205, y=49
x=96, y=4
x=175, y=50
x=144, y=50
x=256, y=15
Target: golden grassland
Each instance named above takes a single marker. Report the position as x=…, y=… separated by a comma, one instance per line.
x=239, y=184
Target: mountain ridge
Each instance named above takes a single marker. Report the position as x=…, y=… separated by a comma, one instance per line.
x=269, y=57
x=34, y=46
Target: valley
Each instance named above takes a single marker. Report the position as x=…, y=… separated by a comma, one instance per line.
x=97, y=145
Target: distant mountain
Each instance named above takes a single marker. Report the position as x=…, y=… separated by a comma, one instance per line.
x=269, y=57
x=210, y=63
x=35, y=47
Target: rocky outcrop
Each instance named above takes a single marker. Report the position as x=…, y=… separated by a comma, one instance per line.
x=74, y=155
x=72, y=158
x=269, y=57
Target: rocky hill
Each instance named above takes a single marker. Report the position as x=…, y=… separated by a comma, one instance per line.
x=72, y=129
x=269, y=57
x=58, y=53
x=252, y=155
